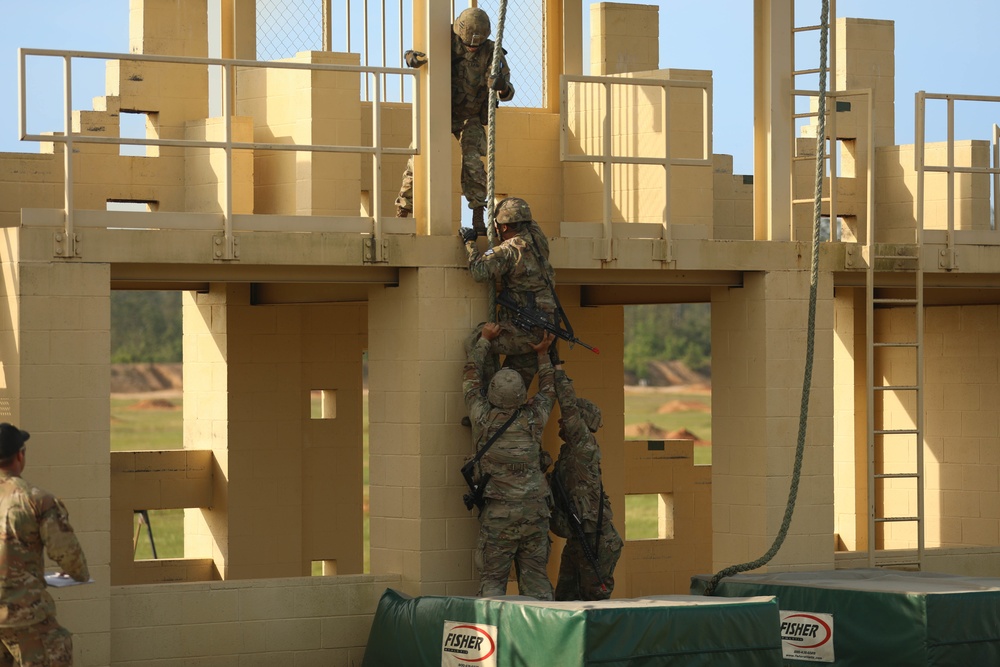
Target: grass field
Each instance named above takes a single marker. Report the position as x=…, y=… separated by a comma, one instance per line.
x=136, y=424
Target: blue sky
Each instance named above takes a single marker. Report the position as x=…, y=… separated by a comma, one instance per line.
x=940, y=47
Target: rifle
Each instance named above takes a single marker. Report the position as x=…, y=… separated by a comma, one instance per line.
x=563, y=499
x=527, y=318
x=475, y=495
x=476, y=491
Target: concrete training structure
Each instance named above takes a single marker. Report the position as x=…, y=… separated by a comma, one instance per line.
x=292, y=271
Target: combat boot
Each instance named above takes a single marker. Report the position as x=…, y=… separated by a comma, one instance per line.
x=477, y=220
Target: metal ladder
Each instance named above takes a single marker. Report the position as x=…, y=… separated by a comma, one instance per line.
x=895, y=451
x=800, y=94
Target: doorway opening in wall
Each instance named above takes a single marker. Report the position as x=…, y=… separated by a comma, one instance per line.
x=146, y=400
x=668, y=397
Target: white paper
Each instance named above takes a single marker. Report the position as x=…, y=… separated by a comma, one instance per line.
x=59, y=580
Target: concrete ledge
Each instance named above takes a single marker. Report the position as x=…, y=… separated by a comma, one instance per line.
x=301, y=620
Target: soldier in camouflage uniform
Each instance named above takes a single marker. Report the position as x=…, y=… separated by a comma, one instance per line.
x=578, y=472
x=471, y=65
x=515, y=520
x=33, y=520
x=521, y=265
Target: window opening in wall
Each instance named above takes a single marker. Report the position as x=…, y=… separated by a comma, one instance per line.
x=323, y=404
x=324, y=568
x=649, y=516
x=134, y=125
x=133, y=206
x=158, y=534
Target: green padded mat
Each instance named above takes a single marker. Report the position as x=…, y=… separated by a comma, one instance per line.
x=886, y=617
x=515, y=631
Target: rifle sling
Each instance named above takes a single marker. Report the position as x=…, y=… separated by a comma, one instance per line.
x=493, y=438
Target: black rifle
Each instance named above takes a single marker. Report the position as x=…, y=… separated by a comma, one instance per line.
x=563, y=500
x=526, y=318
x=475, y=496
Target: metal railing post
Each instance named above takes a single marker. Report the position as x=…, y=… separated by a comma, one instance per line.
x=68, y=248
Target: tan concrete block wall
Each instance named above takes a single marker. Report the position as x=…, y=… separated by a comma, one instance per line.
x=206, y=415
x=623, y=38
x=152, y=480
x=758, y=345
x=315, y=621
x=419, y=527
x=169, y=27
x=527, y=163
x=28, y=181
x=334, y=339
x=896, y=186
x=732, y=197
x=205, y=169
x=866, y=60
x=638, y=190
x=299, y=106
x=962, y=434
x=254, y=368
x=850, y=439
x=665, y=566
x=55, y=340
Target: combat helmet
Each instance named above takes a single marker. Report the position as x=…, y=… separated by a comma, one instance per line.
x=590, y=413
x=506, y=389
x=512, y=211
x=472, y=27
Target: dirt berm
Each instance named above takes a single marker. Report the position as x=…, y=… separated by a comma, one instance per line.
x=145, y=378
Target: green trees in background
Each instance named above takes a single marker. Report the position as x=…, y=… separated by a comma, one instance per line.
x=668, y=332
x=145, y=327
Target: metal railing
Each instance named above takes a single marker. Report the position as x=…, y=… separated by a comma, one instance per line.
x=70, y=138
x=607, y=157
x=949, y=260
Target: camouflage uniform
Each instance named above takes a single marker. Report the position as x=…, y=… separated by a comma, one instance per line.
x=34, y=520
x=469, y=113
x=579, y=469
x=515, y=521
x=521, y=265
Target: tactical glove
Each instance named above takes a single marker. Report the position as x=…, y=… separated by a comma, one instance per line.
x=415, y=58
x=467, y=234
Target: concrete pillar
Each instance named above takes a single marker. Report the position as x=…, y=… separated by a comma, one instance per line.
x=432, y=196
x=866, y=59
x=419, y=525
x=773, y=119
x=55, y=383
x=758, y=359
x=850, y=439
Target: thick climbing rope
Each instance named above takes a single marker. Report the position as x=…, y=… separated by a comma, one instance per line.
x=491, y=148
x=793, y=489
